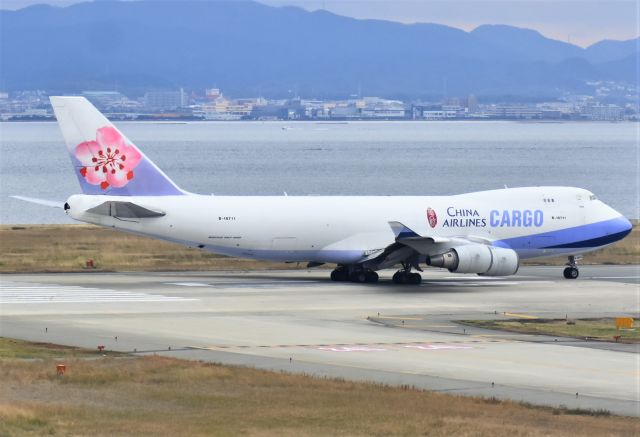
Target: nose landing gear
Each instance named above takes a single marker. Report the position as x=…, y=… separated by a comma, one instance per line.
x=571, y=272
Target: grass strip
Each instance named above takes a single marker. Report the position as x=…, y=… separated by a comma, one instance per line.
x=155, y=395
x=67, y=248
x=594, y=329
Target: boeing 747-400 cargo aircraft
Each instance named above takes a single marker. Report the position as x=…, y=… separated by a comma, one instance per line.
x=486, y=233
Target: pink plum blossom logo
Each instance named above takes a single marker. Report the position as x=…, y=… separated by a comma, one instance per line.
x=432, y=217
x=108, y=161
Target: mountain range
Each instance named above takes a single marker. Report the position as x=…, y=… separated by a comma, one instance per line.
x=248, y=48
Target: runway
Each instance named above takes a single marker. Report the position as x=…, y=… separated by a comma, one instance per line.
x=299, y=321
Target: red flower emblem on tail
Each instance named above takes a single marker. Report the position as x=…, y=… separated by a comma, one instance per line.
x=432, y=217
x=109, y=160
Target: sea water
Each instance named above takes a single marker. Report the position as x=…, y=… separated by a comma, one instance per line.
x=323, y=158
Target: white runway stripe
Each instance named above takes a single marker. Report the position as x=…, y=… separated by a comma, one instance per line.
x=16, y=293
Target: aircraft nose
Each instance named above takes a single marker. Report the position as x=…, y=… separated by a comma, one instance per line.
x=625, y=226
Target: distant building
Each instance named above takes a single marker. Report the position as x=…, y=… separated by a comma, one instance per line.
x=345, y=112
x=513, y=111
x=165, y=100
x=605, y=112
x=224, y=109
x=212, y=93
x=105, y=99
x=375, y=107
x=438, y=114
x=472, y=104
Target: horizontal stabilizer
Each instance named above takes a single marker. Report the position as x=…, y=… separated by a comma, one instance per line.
x=124, y=210
x=50, y=203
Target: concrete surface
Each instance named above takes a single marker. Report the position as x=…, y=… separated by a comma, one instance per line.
x=300, y=321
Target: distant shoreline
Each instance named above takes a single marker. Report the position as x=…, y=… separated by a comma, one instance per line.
x=346, y=121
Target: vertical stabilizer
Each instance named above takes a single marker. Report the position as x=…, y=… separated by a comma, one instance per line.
x=104, y=160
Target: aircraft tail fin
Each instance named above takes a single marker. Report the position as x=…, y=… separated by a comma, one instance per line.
x=105, y=161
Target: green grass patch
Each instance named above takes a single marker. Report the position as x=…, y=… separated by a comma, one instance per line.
x=596, y=329
x=19, y=349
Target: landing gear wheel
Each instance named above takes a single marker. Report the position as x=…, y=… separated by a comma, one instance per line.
x=571, y=273
x=399, y=277
x=372, y=276
x=359, y=276
x=414, y=278
x=340, y=275
x=405, y=277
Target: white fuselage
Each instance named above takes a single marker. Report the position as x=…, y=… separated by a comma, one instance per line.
x=535, y=222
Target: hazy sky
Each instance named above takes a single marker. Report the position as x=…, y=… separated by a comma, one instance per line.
x=582, y=22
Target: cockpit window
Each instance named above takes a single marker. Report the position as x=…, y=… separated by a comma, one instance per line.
x=593, y=197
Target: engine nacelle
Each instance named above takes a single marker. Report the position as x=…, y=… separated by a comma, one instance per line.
x=478, y=258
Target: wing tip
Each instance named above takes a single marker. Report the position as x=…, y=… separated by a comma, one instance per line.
x=402, y=231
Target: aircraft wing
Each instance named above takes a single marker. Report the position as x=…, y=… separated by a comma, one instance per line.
x=409, y=246
x=407, y=237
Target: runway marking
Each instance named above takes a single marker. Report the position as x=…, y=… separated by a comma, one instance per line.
x=469, y=283
x=398, y=318
x=189, y=284
x=29, y=293
x=352, y=349
x=434, y=347
x=479, y=278
x=440, y=326
x=615, y=277
x=521, y=316
x=371, y=346
x=263, y=284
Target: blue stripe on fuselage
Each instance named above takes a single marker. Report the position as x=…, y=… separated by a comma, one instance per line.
x=579, y=237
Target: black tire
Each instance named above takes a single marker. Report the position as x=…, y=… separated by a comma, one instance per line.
x=372, y=277
x=403, y=278
x=339, y=275
x=396, y=278
x=359, y=276
x=415, y=278
x=571, y=273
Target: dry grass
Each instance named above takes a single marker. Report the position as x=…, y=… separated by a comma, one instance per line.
x=163, y=396
x=19, y=349
x=597, y=329
x=66, y=248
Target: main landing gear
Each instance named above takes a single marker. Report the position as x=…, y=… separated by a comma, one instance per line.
x=361, y=275
x=405, y=276
x=571, y=272
x=344, y=274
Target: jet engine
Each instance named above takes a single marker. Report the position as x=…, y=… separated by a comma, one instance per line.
x=477, y=258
